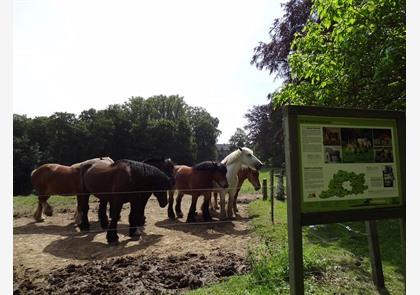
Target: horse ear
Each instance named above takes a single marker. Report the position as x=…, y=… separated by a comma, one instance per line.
x=240, y=149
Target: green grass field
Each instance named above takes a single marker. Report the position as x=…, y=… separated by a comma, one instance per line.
x=336, y=258
x=26, y=205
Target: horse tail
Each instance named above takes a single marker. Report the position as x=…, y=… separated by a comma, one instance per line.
x=83, y=169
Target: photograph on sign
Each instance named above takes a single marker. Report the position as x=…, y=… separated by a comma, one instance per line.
x=347, y=165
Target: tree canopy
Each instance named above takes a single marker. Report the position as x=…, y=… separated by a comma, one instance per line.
x=351, y=54
x=160, y=126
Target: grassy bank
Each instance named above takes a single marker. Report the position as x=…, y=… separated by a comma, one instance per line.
x=336, y=258
x=26, y=205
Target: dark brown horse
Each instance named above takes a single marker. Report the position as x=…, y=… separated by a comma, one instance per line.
x=164, y=164
x=122, y=182
x=196, y=181
x=56, y=179
x=243, y=174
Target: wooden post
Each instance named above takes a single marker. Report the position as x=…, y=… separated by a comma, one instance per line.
x=264, y=189
x=375, y=254
x=294, y=217
x=271, y=183
x=272, y=209
x=280, y=185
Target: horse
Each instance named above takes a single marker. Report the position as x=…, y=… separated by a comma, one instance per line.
x=55, y=179
x=196, y=181
x=165, y=165
x=121, y=182
x=243, y=174
x=242, y=157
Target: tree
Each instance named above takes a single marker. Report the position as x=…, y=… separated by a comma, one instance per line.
x=205, y=133
x=265, y=133
x=273, y=55
x=238, y=139
x=352, y=54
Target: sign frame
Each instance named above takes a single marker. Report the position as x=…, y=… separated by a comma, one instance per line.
x=296, y=218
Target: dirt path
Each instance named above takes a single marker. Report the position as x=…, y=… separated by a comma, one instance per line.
x=39, y=248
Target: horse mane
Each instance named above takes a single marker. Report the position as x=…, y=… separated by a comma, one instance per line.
x=208, y=166
x=234, y=156
x=140, y=168
x=151, y=161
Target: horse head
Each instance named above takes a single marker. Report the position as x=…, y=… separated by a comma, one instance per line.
x=253, y=177
x=249, y=159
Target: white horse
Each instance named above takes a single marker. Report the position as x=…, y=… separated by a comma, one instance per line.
x=242, y=157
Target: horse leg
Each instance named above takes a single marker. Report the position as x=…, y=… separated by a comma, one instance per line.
x=38, y=211
x=205, y=207
x=46, y=208
x=178, y=210
x=103, y=218
x=230, y=206
x=235, y=200
x=215, y=206
x=141, y=205
x=222, y=205
x=133, y=219
x=191, y=213
x=82, y=212
x=111, y=235
x=171, y=213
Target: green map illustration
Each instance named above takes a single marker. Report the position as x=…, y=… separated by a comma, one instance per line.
x=336, y=188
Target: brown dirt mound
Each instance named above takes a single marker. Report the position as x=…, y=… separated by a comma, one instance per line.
x=135, y=275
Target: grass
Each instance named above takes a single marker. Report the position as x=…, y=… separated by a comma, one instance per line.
x=336, y=259
x=26, y=205
x=247, y=187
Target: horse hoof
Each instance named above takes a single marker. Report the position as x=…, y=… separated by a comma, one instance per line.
x=134, y=233
x=171, y=215
x=48, y=211
x=104, y=225
x=179, y=215
x=113, y=243
x=84, y=227
x=190, y=219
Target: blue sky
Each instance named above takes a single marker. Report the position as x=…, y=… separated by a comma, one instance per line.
x=74, y=55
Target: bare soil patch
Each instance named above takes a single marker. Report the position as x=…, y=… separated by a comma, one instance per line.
x=175, y=256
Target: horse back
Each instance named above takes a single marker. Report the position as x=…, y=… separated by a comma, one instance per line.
x=103, y=177
x=55, y=179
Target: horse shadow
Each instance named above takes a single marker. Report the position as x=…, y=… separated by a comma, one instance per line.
x=84, y=247
x=34, y=228
x=206, y=231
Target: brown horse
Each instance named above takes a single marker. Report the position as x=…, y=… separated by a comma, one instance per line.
x=196, y=181
x=243, y=174
x=124, y=181
x=56, y=179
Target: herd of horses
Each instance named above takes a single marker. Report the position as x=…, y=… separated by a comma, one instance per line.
x=128, y=181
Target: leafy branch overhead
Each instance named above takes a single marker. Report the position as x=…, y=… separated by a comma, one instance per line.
x=350, y=53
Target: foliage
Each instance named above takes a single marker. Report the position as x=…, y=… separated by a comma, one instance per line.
x=273, y=55
x=351, y=53
x=265, y=133
x=205, y=133
x=160, y=126
x=238, y=139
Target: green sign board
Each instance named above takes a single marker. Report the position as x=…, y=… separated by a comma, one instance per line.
x=348, y=163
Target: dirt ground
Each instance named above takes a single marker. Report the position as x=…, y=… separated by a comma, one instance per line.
x=45, y=253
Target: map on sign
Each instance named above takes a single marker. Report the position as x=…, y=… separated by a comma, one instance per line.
x=347, y=163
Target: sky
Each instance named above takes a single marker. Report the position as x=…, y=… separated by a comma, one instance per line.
x=69, y=56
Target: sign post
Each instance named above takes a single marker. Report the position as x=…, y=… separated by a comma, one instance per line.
x=342, y=165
